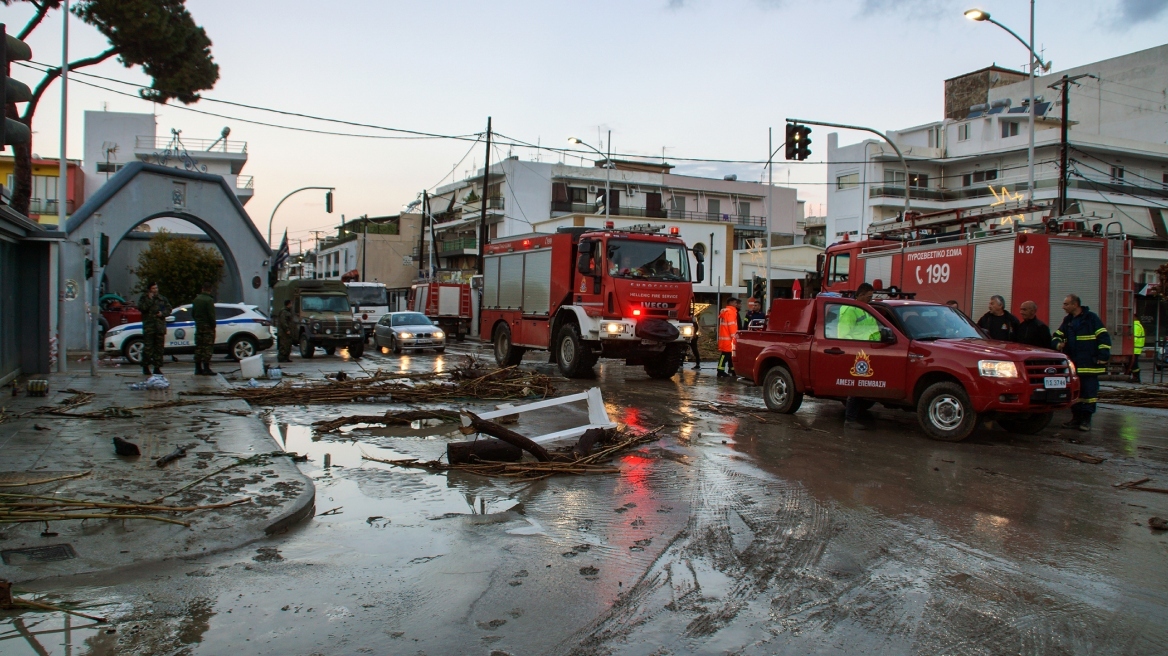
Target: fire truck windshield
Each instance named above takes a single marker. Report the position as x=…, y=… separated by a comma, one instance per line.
x=651, y=260
x=931, y=322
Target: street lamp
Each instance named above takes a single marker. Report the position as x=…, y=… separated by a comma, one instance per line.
x=607, y=168
x=328, y=202
x=984, y=17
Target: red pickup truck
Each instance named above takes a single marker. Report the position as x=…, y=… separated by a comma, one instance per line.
x=905, y=354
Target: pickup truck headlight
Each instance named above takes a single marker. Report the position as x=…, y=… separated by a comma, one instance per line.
x=316, y=326
x=405, y=335
x=614, y=328
x=687, y=330
x=997, y=368
x=1074, y=372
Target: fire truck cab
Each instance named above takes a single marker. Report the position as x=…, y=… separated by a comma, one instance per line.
x=587, y=293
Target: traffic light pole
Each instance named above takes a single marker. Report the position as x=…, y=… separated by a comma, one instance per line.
x=903, y=161
x=483, y=213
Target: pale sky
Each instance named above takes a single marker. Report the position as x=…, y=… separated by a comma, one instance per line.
x=701, y=78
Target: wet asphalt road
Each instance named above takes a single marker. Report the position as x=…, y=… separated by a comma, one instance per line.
x=737, y=532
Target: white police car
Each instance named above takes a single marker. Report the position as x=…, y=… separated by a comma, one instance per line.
x=241, y=331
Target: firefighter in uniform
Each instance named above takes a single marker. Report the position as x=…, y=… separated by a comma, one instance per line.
x=1085, y=341
x=727, y=333
x=1138, y=343
x=857, y=324
x=203, y=312
x=284, y=324
x=154, y=309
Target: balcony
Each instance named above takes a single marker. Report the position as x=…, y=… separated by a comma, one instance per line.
x=1105, y=184
x=244, y=188
x=743, y=221
x=461, y=246
x=192, y=145
x=201, y=155
x=49, y=206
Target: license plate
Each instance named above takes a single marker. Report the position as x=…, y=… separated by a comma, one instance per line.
x=1054, y=382
x=422, y=341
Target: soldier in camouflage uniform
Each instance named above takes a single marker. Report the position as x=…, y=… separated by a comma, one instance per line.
x=154, y=309
x=284, y=324
x=203, y=312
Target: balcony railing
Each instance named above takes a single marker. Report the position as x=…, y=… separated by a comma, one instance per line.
x=495, y=203
x=48, y=206
x=192, y=145
x=245, y=182
x=464, y=243
x=758, y=222
x=1107, y=185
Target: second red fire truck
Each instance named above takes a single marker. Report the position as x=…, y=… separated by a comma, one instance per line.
x=588, y=293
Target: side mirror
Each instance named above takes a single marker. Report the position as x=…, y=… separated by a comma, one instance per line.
x=819, y=261
x=700, y=256
x=701, y=272
x=584, y=264
x=886, y=335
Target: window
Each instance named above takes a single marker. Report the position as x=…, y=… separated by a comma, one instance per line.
x=227, y=312
x=651, y=260
x=918, y=180
x=411, y=319
x=743, y=209
x=677, y=204
x=578, y=194
x=1009, y=129
x=851, y=323
x=109, y=167
x=963, y=132
x=1117, y=174
x=325, y=303
x=970, y=179
x=714, y=208
x=896, y=178
x=1165, y=179
x=182, y=314
x=839, y=268
x=847, y=181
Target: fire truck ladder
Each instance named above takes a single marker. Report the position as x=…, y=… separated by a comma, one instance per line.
x=902, y=228
x=1120, y=290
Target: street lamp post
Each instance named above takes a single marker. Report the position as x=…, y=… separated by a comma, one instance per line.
x=984, y=16
x=607, y=168
x=273, y=217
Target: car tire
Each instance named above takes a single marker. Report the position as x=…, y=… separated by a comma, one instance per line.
x=394, y=346
x=945, y=412
x=133, y=349
x=242, y=346
x=1026, y=424
x=666, y=366
x=572, y=355
x=307, y=349
x=440, y=349
x=506, y=353
x=778, y=391
x=356, y=349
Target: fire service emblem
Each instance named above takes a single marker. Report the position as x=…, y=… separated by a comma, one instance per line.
x=862, y=368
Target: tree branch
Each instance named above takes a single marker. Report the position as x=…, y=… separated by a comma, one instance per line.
x=42, y=9
x=54, y=73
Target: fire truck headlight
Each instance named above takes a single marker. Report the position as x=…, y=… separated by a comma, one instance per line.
x=997, y=368
x=687, y=331
x=614, y=328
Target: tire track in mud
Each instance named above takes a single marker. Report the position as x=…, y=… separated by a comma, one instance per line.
x=746, y=535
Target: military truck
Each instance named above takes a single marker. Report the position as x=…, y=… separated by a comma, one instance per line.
x=322, y=316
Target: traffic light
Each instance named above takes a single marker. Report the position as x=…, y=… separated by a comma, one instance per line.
x=88, y=268
x=328, y=202
x=792, y=147
x=13, y=132
x=757, y=287
x=103, y=251
x=798, y=144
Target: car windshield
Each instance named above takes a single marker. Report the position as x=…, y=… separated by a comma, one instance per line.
x=928, y=322
x=411, y=319
x=647, y=259
x=367, y=295
x=324, y=303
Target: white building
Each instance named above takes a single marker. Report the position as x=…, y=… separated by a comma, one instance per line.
x=1118, y=173
x=113, y=139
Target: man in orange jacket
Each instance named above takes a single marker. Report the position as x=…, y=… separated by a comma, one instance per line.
x=727, y=334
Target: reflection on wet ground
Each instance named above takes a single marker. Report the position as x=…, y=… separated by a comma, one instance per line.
x=727, y=535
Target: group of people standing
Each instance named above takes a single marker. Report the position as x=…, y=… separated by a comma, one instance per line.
x=155, y=309
x=729, y=323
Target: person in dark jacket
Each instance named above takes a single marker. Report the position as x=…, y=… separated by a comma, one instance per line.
x=203, y=312
x=998, y=323
x=1085, y=341
x=154, y=307
x=1031, y=330
x=754, y=314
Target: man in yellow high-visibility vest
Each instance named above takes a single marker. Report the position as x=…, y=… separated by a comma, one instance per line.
x=1138, y=343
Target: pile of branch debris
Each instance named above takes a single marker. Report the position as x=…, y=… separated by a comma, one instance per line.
x=466, y=382
x=18, y=508
x=1148, y=396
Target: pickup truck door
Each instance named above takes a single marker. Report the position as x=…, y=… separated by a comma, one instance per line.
x=848, y=359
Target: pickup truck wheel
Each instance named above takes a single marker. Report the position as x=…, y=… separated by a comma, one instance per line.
x=307, y=348
x=664, y=367
x=506, y=353
x=945, y=412
x=356, y=349
x=778, y=391
x=1026, y=424
x=574, y=359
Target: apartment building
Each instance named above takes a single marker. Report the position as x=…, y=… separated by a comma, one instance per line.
x=373, y=249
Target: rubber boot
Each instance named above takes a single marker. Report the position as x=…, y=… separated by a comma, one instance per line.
x=145, y=370
x=207, y=368
x=198, y=368
x=158, y=371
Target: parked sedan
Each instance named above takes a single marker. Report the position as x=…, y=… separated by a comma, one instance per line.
x=241, y=331
x=408, y=330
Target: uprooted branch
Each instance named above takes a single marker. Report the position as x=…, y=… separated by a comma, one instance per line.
x=388, y=419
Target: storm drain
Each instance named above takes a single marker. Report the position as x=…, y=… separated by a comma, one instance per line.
x=46, y=554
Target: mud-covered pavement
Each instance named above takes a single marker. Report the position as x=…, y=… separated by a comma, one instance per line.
x=728, y=535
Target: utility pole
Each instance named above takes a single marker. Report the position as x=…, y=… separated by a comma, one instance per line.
x=766, y=298
x=483, y=215
x=364, y=246
x=422, y=229
x=1064, y=145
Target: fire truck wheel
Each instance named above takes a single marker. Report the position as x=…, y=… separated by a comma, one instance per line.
x=575, y=360
x=1027, y=424
x=778, y=391
x=945, y=412
x=664, y=367
x=506, y=353
x=307, y=348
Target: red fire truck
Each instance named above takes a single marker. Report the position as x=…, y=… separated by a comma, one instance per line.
x=587, y=293
x=447, y=304
x=970, y=255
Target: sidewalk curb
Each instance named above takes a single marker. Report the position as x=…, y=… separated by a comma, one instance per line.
x=304, y=509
